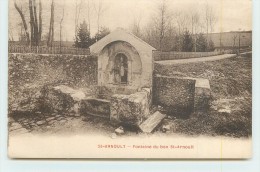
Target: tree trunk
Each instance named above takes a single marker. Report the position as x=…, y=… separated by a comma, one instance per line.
x=36, y=37
x=32, y=23
x=89, y=18
x=40, y=22
x=61, y=27
x=24, y=22
x=51, y=28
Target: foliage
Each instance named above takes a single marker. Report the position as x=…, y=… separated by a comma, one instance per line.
x=211, y=46
x=104, y=31
x=83, y=39
x=187, y=42
x=201, y=43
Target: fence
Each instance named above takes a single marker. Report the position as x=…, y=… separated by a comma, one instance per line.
x=48, y=50
x=172, y=55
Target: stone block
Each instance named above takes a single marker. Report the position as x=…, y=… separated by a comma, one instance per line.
x=202, y=95
x=152, y=122
x=130, y=109
x=174, y=94
x=63, y=99
x=180, y=96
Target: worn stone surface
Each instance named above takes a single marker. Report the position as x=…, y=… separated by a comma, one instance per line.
x=63, y=99
x=95, y=107
x=202, y=95
x=152, y=122
x=106, y=92
x=180, y=96
x=175, y=95
x=130, y=109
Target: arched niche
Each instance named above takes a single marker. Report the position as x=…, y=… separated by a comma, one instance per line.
x=113, y=59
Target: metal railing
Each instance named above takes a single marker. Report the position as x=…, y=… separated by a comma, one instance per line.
x=172, y=55
x=48, y=50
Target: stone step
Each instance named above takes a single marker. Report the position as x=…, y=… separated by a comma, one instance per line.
x=152, y=122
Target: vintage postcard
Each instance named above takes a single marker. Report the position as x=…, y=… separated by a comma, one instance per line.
x=146, y=79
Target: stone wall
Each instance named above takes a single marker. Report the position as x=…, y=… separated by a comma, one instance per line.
x=175, y=95
x=29, y=73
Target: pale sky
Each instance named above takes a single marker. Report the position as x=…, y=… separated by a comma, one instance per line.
x=232, y=15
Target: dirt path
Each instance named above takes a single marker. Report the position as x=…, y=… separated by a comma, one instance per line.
x=194, y=60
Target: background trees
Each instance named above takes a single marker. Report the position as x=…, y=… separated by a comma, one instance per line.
x=104, y=31
x=201, y=43
x=169, y=30
x=187, y=42
x=165, y=28
x=33, y=36
x=83, y=39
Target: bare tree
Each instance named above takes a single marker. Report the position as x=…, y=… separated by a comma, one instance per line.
x=210, y=20
x=10, y=33
x=31, y=21
x=19, y=10
x=100, y=8
x=162, y=21
x=89, y=9
x=40, y=21
x=61, y=21
x=181, y=21
x=195, y=24
x=51, y=27
x=77, y=15
x=35, y=23
x=160, y=30
x=234, y=39
x=36, y=27
x=135, y=26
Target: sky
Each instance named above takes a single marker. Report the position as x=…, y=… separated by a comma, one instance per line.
x=232, y=15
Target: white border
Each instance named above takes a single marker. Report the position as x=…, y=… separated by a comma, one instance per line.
x=7, y=165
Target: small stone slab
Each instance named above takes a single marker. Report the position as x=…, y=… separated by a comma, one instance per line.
x=40, y=122
x=152, y=122
x=119, y=130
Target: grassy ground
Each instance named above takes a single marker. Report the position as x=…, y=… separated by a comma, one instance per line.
x=231, y=84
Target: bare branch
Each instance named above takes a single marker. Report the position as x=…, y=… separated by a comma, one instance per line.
x=24, y=22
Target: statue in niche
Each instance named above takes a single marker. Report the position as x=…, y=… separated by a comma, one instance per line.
x=120, y=69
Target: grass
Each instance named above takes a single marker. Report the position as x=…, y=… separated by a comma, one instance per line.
x=231, y=107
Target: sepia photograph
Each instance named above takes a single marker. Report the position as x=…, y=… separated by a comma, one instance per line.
x=130, y=79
